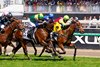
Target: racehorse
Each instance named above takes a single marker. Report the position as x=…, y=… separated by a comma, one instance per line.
x=6, y=36
x=18, y=38
x=43, y=39
x=65, y=36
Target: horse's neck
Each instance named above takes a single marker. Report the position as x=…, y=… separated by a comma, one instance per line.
x=10, y=28
x=49, y=27
x=70, y=29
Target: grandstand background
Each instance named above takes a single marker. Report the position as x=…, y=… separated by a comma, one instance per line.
x=88, y=12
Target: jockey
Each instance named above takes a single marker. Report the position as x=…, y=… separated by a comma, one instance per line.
x=56, y=28
x=37, y=22
x=51, y=18
x=63, y=21
x=37, y=19
x=60, y=23
x=46, y=18
x=6, y=17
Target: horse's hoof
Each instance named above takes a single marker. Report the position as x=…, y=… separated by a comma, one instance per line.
x=61, y=57
x=48, y=51
x=39, y=56
x=0, y=53
x=29, y=58
x=35, y=54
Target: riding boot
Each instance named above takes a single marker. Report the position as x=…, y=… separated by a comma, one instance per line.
x=2, y=31
x=51, y=36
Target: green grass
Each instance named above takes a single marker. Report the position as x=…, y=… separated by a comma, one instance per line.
x=46, y=61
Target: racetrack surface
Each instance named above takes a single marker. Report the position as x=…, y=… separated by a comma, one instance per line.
x=69, y=52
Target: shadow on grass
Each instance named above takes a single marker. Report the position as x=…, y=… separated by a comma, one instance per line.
x=34, y=58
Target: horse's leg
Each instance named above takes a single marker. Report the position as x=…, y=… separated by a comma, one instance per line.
x=12, y=45
x=0, y=49
x=44, y=47
x=54, y=52
x=24, y=43
x=5, y=50
x=62, y=48
x=16, y=48
x=75, y=50
x=32, y=42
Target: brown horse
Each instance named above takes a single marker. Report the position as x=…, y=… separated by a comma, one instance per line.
x=18, y=38
x=43, y=39
x=65, y=37
x=6, y=36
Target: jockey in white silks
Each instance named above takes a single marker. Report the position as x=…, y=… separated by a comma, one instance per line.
x=28, y=25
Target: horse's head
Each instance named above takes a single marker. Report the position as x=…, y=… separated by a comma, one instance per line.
x=79, y=25
x=19, y=24
x=49, y=26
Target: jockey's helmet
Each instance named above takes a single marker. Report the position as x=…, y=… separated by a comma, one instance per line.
x=51, y=15
x=40, y=16
x=46, y=18
x=66, y=17
x=10, y=15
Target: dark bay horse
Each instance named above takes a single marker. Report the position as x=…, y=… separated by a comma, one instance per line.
x=7, y=35
x=65, y=36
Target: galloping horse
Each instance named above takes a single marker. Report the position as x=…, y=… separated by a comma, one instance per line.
x=7, y=35
x=18, y=38
x=65, y=37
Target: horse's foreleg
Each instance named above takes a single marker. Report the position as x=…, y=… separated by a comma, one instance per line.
x=25, y=48
x=75, y=50
x=33, y=44
x=12, y=45
x=5, y=50
x=62, y=48
x=0, y=49
x=17, y=47
x=44, y=47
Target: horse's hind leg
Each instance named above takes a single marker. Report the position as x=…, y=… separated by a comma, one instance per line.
x=62, y=48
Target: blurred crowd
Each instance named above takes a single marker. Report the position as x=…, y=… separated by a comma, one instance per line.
x=62, y=6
